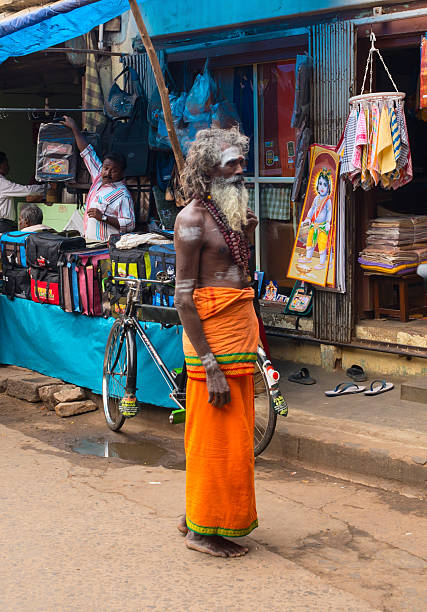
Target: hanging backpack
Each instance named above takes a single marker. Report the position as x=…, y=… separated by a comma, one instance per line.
x=56, y=153
x=131, y=139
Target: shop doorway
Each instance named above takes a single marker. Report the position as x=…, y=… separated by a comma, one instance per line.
x=406, y=202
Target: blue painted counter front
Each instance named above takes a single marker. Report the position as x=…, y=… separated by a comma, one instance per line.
x=71, y=347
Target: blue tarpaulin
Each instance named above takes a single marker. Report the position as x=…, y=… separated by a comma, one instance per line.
x=54, y=24
x=71, y=347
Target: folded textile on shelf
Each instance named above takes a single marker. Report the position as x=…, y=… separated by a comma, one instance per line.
x=395, y=245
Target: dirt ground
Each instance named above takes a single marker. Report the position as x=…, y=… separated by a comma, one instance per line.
x=82, y=531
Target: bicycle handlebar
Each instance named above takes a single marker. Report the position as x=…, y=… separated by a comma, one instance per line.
x=139, y=281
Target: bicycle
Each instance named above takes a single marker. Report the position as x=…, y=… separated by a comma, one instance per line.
x=120, y=368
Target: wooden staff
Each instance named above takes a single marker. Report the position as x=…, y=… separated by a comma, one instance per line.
x=163, y=90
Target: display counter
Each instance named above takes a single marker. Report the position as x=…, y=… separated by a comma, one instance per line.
x=71, y=347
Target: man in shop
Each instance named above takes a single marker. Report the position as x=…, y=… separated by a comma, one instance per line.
x=215, y=303
x=109, y=206
x=31, y=219
x=10, y=190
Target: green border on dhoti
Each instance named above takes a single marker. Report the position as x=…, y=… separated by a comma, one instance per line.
x=222, y=531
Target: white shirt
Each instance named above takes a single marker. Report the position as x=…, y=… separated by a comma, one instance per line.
x=112, y=200
x=36, y=228
x=9, y=190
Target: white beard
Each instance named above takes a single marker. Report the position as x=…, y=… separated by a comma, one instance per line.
x=231, y=197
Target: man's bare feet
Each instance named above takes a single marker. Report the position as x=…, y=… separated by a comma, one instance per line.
x=214, y=545
x=182, y=525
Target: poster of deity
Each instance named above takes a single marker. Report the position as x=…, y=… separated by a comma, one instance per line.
x=311, y=255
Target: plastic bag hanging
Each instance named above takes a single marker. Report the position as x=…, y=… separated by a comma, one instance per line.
x=201, y=98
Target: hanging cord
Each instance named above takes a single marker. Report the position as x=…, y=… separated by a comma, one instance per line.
x=369, y=64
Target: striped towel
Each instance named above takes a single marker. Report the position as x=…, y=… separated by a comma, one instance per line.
x=93, y=95
x=373, y=156
x=366, y=179
x=349, y=143
x=395, y=133
x=388, y=178
x=404, y=143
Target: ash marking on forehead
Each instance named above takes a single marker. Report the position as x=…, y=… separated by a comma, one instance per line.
x=189, y=234
x=230, y=154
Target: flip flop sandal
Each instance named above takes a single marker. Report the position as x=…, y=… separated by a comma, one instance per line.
x=302, y=377
x=345, y=389
x=382, y=388
x=357, y=373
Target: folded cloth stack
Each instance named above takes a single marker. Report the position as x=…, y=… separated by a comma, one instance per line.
x=395, y=245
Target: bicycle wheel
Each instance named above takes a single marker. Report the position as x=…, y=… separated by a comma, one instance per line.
x=265, y=415
x=114, y=375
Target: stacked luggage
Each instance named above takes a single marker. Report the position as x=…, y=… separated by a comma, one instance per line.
x=16, y=278
x=152, y=262
x=46, y=253
x=58, y=269
x=84, y=275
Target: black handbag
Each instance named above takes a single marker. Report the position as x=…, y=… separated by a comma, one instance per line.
x=120, y=104
x=130, y=138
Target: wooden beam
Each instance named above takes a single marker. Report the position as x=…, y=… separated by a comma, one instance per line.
x=163, y=90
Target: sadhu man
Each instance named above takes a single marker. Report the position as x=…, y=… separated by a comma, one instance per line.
x=215, y=303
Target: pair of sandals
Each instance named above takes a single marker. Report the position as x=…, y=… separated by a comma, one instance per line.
x=302, y=377
x=376, y=387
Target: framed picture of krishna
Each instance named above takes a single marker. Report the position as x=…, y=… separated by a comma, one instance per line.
x=314, y=253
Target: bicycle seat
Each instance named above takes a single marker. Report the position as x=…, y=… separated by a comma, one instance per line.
x=159, y=314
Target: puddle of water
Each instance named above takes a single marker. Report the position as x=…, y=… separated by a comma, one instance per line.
x=146, y=453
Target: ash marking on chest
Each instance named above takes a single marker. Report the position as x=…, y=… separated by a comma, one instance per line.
x=233, y=273
x=189, y=234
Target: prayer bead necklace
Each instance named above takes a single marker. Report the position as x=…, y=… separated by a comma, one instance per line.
x=236, y=241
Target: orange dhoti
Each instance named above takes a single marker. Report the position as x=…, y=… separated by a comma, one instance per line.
x=219, y=442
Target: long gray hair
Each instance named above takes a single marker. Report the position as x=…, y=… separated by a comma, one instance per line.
x=205, y=155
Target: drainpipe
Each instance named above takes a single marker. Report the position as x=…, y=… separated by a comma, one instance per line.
x=101, y=36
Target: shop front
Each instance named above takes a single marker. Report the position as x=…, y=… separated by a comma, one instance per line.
x=345, y=326
x=252, y=60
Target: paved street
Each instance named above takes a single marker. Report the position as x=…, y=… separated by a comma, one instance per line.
x=83, y=532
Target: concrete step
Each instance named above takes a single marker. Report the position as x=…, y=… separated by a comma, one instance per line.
x=415, y=390
x=346, y=446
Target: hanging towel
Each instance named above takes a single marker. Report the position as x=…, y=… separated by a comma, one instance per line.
x=394, y=175
x=386, y=160
x=93, y=95
x=365, y=177
x=406, y=173
x=373, y=165
x=360, y=140
x=404, y=140
x=395, y=133
x=348, y=143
